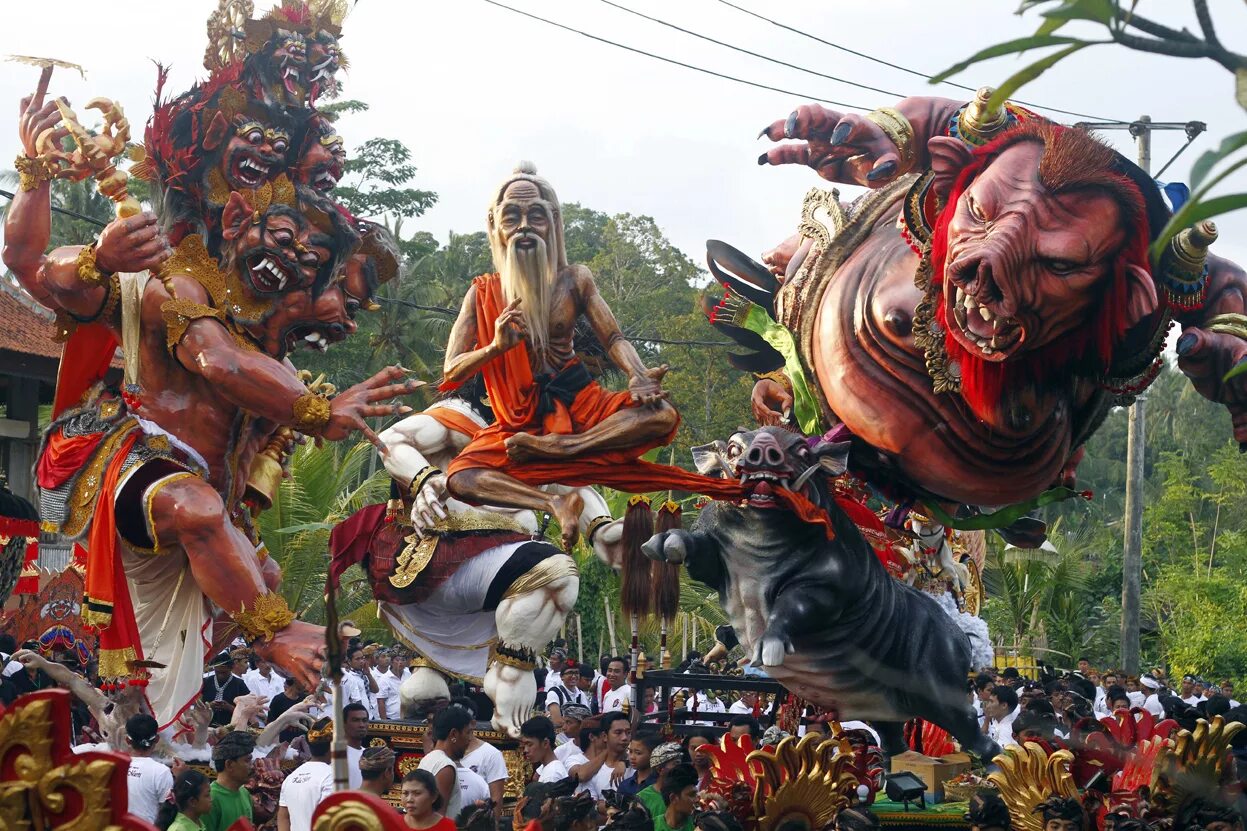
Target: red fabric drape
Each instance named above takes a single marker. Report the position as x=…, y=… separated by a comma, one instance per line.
x=85, y=359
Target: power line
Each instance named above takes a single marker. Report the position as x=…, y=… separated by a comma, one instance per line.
x=898, y=67
x=10, y=195
x=675, y=62
x=750, y=53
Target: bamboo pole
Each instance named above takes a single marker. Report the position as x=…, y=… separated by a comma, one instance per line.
x=610, y=624
x=580, y=643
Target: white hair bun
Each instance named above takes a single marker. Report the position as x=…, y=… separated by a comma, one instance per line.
x=526, y=167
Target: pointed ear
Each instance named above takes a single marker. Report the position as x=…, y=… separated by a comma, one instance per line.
x=949, y=156
x=833, y=457
x=214, y=135
x=235, y=216
x=1141, y=298
x=711, y=459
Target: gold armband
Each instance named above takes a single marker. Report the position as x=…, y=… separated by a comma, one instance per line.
x=88, y=271
x=311, y=412
x=267, y=616
x=1228, y=324
x=424, y=475
x=520, y=657
x=179, y=314
x=777, y=375
x=897, y=128
x=595, y=525
x=31, y=173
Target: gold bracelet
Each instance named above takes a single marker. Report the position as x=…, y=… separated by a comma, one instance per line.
x=31, y=173
x=88, y=272
x=777, y=375
x=897, y=128
x=595, y=525
x=418, y=481
x=267, y=616
x=311, y=412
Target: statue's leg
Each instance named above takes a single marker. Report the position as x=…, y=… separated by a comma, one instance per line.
x=423, y=693
x=485, y=486
x=188, y=513
x=798, y=609
x=629, y=427
x=525, y=622
x=891, y=737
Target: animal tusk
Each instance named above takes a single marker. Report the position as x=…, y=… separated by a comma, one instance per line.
x=804, y=477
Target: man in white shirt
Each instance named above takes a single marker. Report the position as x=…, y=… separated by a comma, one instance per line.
x=568, y=692
x=537, y=743
x=1002, y=710
x=262, y=681
x=555, y=664
x=744, y=705
x=147, y=781
x=355, y=716
x=1227, y=689
x=1190, y=695
x=621, y=691
x=355, y=684
x=452, y=733
x=1152, y=702
x=567, y=741
x=387, y=687
x=486, y=761
x=309, y=784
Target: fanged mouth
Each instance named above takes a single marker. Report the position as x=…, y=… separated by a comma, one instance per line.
x=250, y=172
x=267, y=274
x=308, y=336
x=290, y=80
x=324, y=181
x=762, y=485
x=323, y=70
x=981, y=331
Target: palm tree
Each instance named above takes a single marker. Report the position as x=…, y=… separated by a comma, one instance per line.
x=327, y=484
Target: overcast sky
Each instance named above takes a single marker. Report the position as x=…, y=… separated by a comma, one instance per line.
x=472, y=88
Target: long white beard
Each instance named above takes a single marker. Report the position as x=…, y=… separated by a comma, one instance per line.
x=528, y=274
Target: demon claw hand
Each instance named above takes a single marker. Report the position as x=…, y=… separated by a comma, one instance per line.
x=1206, y=356
x=840, y=147
x=669, y=546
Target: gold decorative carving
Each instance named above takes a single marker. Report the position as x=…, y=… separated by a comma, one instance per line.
x=348, y=816
x=803, y=783
x=1028, y=776
x=519, y=772
x=1196, y=761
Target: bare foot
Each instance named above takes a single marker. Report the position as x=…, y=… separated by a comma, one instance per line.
x=567, y=510
x=526, y=447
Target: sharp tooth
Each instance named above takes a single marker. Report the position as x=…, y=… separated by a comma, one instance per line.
x=993, y=342
x=969, y=302
x=987, y=315
x=987, y=350
x=281, y=282
x=311, y=337
x=996, y=324
x=961, y=296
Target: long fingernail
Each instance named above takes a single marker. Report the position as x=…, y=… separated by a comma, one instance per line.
x=404, y=410
x=766, y=131
x=839, y=134
x=883, y=171
x=1184, y=344
x=763, y=159
x=790, y=125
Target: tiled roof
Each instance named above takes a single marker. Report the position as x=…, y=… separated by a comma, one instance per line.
x=25, y=326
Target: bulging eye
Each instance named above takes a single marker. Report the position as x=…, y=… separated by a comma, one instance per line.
x=255, y=136
x=1061, y=268
x=280, y=145
x=283, y=237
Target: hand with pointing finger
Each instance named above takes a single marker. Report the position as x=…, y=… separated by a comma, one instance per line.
x=349, y=408
x=511, y=328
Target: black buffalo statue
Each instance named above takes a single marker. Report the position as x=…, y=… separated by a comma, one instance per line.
x=822, y=617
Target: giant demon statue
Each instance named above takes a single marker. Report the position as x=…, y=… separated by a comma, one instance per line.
x=205, y=302
x=971, y=320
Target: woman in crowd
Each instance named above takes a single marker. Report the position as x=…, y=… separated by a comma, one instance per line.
x=423, y=803
x=190, y=801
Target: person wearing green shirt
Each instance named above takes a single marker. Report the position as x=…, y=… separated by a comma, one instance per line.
x=662, y=760
x=679, y=791
x=230, y=798
x=191, y=800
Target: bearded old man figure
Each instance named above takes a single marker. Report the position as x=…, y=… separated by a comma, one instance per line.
x=554, y=423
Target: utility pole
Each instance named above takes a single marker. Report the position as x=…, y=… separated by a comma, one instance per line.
x=1136, y=441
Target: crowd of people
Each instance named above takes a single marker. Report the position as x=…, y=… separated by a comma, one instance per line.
x=257, y=745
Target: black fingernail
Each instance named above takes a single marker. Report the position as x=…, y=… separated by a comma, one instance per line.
x=790, y=125
x=765, y=131
x=763, y=158
x=1184, y=344
x=883, y=171
x=839, y=134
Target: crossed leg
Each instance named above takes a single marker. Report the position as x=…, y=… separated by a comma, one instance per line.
x=629, y=427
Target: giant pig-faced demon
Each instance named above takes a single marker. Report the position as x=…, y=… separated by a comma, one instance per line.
x=970, y=321
x=158, y=479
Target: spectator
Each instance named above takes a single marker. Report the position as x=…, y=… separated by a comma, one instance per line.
x=1134, y=691
x=566, y=743
x=1154, y=689
x=745, y=726
x=601, y=757
x=262, y=681
x=1002, y=710
x=1227, y=689
x=230, y=798
x=745, y=705
x=355, y=686
x=703, y=763
x=452, y=732
x=665, y=758
x=309, y=784
x=148, y=781
x=988, y=812
x=477, y=818
x=600, y=686
x=1116, y=698
x=1189, y=694
x=567, y=692
x=191, y=800
x=387, y=686
x=1062, y=814
x=640, y=752
x=556, y=662
x=537, y=742
x=376, y=767
x=221, y=688
x=292, y=693
x=423, y=804
x=706, y=701
x=485, y=761
x=679, y=792
x=620, y=695
x=983, y=684
x=355, y=721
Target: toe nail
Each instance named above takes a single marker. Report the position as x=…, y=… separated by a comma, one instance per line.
x=790, y=125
